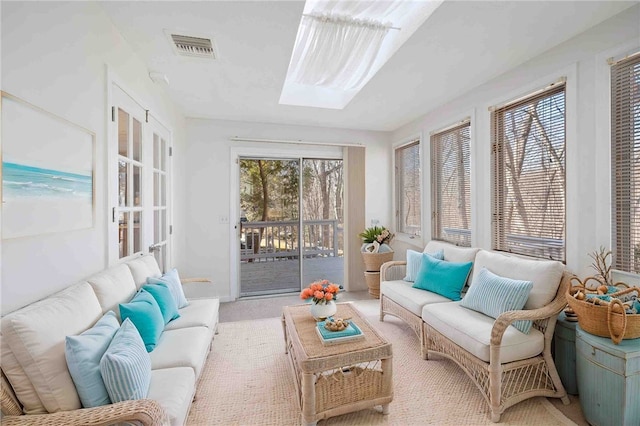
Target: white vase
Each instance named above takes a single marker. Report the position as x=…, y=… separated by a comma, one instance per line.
x=322, y=311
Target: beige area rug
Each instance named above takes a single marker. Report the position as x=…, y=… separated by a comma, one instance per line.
x=247, y=381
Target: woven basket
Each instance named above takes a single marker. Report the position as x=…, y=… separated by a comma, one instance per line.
x=373, y=282
x=602, y=320
x=373, y=261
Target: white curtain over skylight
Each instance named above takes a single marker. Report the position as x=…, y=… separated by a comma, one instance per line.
x=341, y=44
x=336, y=50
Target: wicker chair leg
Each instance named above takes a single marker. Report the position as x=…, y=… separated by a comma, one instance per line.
x=555, y=377
x=495, y=388
x=424, y=342
x=382, y=307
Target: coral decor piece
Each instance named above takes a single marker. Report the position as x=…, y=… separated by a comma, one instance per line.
x=602, y=265
x=321, y=292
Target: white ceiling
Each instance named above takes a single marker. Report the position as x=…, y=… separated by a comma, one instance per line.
x=462, y=45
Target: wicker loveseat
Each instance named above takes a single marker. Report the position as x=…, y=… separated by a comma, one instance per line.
x=36, y=384
x=507, y=365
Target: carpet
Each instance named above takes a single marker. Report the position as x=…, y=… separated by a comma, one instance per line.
x=247, y=381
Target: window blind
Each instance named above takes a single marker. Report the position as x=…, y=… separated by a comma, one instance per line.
x=408, y=204
x=450, y=185
x=625, y=153
x=528, y=175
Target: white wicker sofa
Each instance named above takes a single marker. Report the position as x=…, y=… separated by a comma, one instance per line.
x=507, y=365
x=37, y=387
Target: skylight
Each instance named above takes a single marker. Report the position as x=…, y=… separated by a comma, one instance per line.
x=341, y=45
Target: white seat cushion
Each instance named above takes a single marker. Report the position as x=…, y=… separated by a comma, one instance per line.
x=36, y=335
x=472, y=331
x=186, y=347
x=452, y=253
x=198, y=313
x=544, y=274
x=113, y=286
x=143, y=268
x=173, y=388
x=412, y=299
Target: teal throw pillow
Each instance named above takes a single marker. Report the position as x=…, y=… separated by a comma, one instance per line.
x=414, y=260
x=144, y=312
x=444, y=278
x=165, y=300
x=126, y=365
x=172, y=280
x=492, y=295
x=83, y=354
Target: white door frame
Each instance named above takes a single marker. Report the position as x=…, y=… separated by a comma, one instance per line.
x=153, y=123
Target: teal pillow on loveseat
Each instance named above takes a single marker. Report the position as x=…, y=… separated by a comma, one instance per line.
x=444, y=278
x=414, y=261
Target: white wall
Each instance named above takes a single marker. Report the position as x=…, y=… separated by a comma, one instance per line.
x=54, y=55
x=583, y=61
x=210, y=192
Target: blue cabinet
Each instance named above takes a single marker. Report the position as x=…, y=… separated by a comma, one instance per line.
x=564, y=349
x=608, y=379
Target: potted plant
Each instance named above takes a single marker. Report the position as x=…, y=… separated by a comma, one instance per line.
x=375, y=251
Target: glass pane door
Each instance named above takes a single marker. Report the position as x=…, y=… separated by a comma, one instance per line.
x=269, y=226
x=159, y=245
x=130, y=169
x=323, y=221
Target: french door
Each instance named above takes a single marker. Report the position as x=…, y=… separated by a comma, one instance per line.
x=290, y=224
x=139, y=148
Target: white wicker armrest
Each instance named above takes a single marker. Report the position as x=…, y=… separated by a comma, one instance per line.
x=394, y=270
x=548, y=311
x=195, y=280
x=146, y=411
x=197, y=288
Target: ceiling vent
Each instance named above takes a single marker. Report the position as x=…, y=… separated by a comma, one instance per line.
x=199, y=47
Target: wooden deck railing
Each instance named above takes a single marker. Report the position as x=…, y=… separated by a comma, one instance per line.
x=274, y=240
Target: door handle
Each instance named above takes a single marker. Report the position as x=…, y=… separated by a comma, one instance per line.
x=154, y=247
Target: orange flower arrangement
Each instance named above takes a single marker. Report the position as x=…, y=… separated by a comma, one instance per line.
x=321, y=291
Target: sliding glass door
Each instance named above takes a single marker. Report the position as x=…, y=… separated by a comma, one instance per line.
x=291, y=228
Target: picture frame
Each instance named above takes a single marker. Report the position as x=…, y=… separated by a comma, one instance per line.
x=48, y=171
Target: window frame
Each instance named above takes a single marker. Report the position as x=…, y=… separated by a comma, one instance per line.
x=621, y=222
x=404, y=236
x=498, y=173
x=435, y=168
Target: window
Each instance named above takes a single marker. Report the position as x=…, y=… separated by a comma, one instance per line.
x=407, y=178
x=625, y=169
x=528, y=175
x=450, y=184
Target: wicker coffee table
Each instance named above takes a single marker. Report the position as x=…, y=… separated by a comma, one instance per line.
x=341, y=378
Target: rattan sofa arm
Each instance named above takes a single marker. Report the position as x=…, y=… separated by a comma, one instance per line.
x=146, y=411
x=553, y=308
x=195, y=280
x=393, y=270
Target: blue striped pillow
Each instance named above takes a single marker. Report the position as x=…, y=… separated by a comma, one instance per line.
x=414, y=260
x=492, y=295
x=126, y=365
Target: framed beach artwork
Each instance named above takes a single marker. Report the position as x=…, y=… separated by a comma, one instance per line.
x=48, y=167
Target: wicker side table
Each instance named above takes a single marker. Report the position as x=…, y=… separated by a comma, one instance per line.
x=336, y=379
